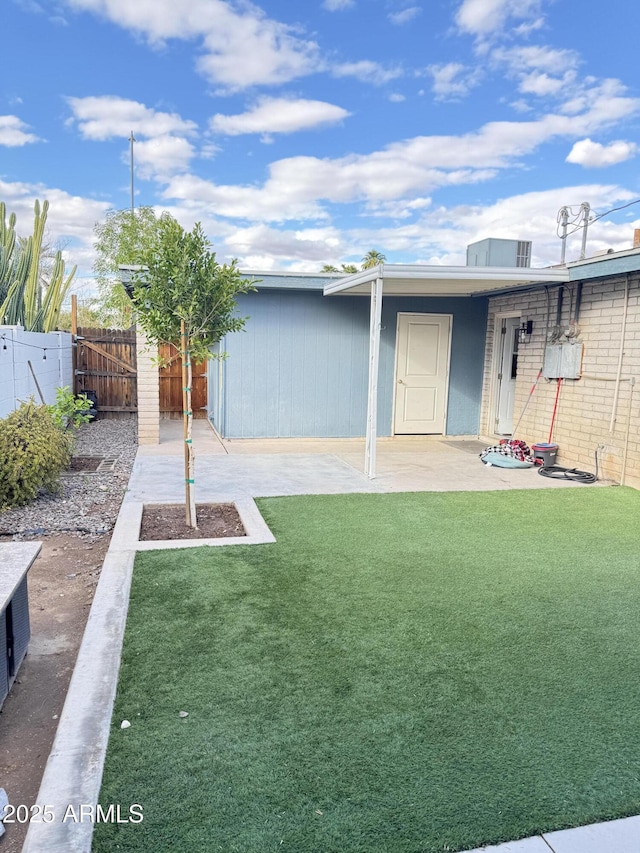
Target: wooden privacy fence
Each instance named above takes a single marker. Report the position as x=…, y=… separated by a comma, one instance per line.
x=171, y=384
x=105, y=362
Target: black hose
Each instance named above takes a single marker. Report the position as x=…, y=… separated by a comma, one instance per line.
x=556, y=472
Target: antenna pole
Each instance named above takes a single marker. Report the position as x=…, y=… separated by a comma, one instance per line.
x=132, y=139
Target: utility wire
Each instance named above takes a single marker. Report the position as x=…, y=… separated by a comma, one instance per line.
x=576, y=221
x=614, y=209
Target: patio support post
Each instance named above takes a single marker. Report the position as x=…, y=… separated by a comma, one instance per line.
x=374, y=360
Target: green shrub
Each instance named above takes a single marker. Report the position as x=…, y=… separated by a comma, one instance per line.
x=33, y=452
x=69, y=410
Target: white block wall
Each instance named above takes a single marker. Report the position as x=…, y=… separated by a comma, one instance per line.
x=586, y=405
x=16, y=379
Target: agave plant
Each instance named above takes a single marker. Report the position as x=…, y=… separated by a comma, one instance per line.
x=27, y=298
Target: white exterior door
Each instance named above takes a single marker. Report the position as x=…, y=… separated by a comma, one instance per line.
x=422, y=374
x=508, y=369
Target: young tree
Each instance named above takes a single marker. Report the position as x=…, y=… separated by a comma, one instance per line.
x=185, y=295
x=123, y=238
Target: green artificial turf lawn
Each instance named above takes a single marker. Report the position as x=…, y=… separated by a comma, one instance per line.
x=397, y=674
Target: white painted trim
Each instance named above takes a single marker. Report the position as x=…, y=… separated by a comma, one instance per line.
x=374, y=365
x=462, y=280
x=395, y=368
x=496, y=358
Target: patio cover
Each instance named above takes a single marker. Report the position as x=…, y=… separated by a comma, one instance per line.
x=418, y=280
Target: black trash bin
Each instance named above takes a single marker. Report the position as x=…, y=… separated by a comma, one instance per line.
x=93, y=398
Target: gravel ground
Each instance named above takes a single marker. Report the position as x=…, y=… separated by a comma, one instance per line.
x=86, y=503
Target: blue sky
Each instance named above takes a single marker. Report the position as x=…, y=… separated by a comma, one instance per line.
x=307, y=133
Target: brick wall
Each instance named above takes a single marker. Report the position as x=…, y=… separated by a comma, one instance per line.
x=586, y=406
x=148, y=391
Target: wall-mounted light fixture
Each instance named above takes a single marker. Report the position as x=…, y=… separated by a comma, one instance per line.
x=524, y=332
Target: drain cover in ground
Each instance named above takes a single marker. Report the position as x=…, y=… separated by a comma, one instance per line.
x=85, y=464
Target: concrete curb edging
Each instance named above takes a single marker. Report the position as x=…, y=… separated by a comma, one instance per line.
x=73, y=773
x=254, y=524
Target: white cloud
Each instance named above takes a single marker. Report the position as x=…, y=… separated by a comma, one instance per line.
x=70, y=220
x=541, y=70
x=15, y=133
x=367, y=71
x=405, y=15
x=605, y=101
x=537, y=58
x=421, y=232
x=540, y=84
x=593, y=155
x=397, y=98
x=453, y=80
x=529, y=26
x=274, y=202
x=338, y=5
x=402, y=209
x=483, y=18
x=162, y=156
x=239, y=46
x=311, y=245
x=161, y=148
x=108, y=116
x=301, y=187
x=279, y=115
x=521, y=106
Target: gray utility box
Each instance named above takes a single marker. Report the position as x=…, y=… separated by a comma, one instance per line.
x=563, y=361
x=16, y=559
x=494, y=252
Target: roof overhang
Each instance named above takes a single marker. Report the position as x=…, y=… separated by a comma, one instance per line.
x=419, y=280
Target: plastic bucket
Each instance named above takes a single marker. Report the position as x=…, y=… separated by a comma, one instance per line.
x=545, y=454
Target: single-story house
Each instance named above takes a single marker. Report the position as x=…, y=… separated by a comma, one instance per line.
x=490, y=351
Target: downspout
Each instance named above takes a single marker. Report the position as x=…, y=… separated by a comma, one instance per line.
x=623, y=331
x=374, y=364
x=632, y=382
x=576, y=310
x=559, y=307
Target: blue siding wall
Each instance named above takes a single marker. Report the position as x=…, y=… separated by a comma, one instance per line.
x=300, y=367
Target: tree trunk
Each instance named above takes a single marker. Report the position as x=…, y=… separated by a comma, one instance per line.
x=191, y=496
x=187, y=420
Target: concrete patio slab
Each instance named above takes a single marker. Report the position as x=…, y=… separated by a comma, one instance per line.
x=288, y=466
x=614, y=836
x=218, y=478
x=535, y=844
